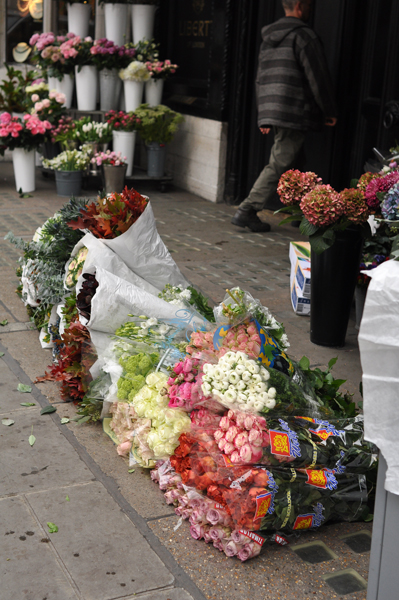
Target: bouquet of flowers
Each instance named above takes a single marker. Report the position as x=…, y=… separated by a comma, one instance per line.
x=54, y=55
x=75, y=267
x=69, y=160
x=49, y=109
x=161, y=69
x=122, y=121
x=321, y=210
x=38, y=87
x=107, y=55
x=86, y=130
x=146, y=50
x=28, y=132
x=63, y=132
x=111, y=216
x=79, y=50
x=135, y=71
x=108, y=158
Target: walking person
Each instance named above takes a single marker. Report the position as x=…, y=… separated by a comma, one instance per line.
x=294, y=95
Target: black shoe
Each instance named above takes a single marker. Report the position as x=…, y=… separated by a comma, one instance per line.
x=249, y=218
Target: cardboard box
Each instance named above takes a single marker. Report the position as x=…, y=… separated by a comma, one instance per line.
x=300, y=266
x=300, y=304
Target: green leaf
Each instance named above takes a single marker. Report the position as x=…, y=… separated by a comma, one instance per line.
x=353, y=183
x=84, y=420
x=48, y=410
x=27, y=404
x=4, y=322
x=64, y=420
x=290, y=219
x=369, y=518
x=332, y=362
x=32, y=440
x=307, y=228
x=7, y=422
x=67, y=499
x=304, y=363
x=52, y=527
x=322, y=241
x=2, y=354
x=131, y=470
x=24, y=389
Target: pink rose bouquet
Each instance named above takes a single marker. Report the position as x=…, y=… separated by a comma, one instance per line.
x=108, y=158
x=161, y=69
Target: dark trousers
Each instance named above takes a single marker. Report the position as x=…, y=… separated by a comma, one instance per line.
x=288, y=144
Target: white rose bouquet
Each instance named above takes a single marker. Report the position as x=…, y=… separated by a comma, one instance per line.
x=239, y=382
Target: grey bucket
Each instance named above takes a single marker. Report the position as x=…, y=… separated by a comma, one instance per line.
x=156, y=159
x=69, y=183
x=114, y=178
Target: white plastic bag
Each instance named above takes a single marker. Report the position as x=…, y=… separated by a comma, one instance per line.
x=116, y=298
x=100, y=255
x=379, y=353
x=143, y=251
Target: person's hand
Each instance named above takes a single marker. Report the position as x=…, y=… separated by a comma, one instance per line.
x=330, y=121
x=264, y=130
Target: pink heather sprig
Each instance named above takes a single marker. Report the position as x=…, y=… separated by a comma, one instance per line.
x=322, y=206
x=294, y=185
x=109, y=158
x=242, y=436
x=379, y=185
x=356, y=209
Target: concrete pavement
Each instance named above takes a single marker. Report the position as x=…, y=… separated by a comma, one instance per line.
x=116, y=536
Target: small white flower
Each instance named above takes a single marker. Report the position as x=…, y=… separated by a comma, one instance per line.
x=252, y=367
x=259, y=405
x=241, y=398
x=225, y=383
x=230, y=395
x=246, y=376
x=163, y=329
x=263, y=397
x=241, y=385
x=265, y=374
x=151, y=322
x=217, y=385
x=252, y=398
x=260, y=387
x=271, y=403
x=217, y=374
x=256, y=378
x=207, y=378
x=240, y=369
x=228, y=358
x=241, y=355
x=186, y=295
x=206, y=388
x=271, y=392
x=234, y=378
x=206, y=368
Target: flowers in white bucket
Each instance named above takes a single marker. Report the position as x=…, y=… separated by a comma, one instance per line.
x=135, y=71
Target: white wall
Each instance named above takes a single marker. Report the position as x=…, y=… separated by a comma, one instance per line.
x=197, y=157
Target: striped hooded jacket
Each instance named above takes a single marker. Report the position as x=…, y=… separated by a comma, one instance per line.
x=294, y=87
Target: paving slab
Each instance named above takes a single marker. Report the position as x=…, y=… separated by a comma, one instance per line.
x=170, y=594
x=30, y=568
x=102, y=550
x=50, y=462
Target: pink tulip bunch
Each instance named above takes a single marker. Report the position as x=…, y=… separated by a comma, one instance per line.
x=182, y=388
x=241, y=437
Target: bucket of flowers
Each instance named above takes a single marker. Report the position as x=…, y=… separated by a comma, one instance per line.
x=69, y=167
x=134, y=77
x=50, y=107
x=113, y=168
x=124, y=126
x=108, y=59
x=159, y=71
x=23, y=136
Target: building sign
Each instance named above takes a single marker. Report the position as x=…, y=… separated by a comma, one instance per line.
x=194, y=34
